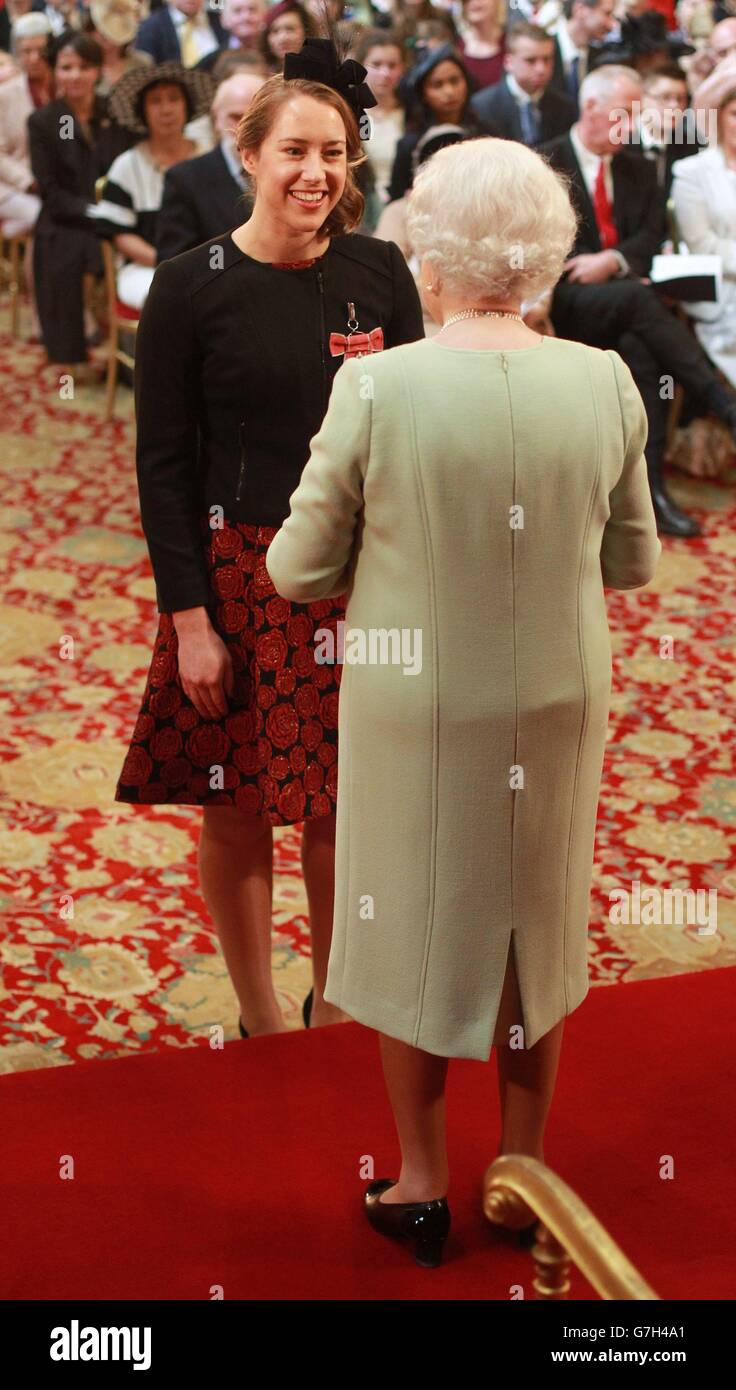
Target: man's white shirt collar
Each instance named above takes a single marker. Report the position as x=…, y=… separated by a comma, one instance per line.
x=518, y=92
x=589, y=163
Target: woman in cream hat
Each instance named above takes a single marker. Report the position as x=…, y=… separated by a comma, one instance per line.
x=114, y=23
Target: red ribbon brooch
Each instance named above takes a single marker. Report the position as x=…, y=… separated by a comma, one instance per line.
x=354, y=343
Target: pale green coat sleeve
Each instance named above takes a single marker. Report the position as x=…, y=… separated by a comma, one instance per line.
x=630, y=548
x=311, y=556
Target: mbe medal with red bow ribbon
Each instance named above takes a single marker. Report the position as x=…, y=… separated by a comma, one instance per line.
x=355, y=343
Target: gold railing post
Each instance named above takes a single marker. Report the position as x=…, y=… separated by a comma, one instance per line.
x=515, y=1184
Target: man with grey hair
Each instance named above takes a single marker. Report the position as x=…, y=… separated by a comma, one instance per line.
x=208, y=195
x=243, y=22
x=29, y=88
x=602, y=299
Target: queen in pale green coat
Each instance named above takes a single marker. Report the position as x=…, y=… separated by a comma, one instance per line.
x=473, y=493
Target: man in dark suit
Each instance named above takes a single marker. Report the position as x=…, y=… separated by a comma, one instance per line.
x=582, y=25
x=601, y=299
x=183, y=32
x=207, y=196
x=667, y=128
x=521, y=106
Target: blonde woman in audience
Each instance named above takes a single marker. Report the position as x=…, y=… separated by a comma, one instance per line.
x=704, y=194
x=483, y=40
x=114, y=24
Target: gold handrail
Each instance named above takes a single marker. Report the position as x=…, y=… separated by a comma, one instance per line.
x=568, y=1231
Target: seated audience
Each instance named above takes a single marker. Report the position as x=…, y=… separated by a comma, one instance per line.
x=601, y=299
x=156, y=104
x=61, y=14
x=242, y=25
x=409, y=20
x=704, y=193
x=667, y=127
x=181, y=33
x=643, y=42
x=582, y=24
x=247, y=61
x=482, y=41
x=523, y=106
x=72, y=142
x=440, y=88
x=207, y=196
x=21, y=94
x=721, y=58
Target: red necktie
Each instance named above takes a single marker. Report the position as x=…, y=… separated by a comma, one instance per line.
x=604, y=211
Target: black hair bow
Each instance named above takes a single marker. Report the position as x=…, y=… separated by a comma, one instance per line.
x=318, y=61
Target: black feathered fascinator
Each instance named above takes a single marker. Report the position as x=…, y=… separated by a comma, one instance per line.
x=319, y=61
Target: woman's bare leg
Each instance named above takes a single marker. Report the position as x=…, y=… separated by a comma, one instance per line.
x=236, y=874
x=416, y=1085
x=415, y=1081
x=318, y=868
x=526, y=1079
x=526, y=1076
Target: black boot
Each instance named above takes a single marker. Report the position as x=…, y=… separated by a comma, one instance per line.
x=670, y=520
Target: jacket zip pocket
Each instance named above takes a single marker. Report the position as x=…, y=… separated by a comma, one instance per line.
x=322, y=339
x=241, y=473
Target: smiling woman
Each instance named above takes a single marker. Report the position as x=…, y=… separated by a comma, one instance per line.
x=239, y=342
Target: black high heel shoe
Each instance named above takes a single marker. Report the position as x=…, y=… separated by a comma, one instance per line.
x=425, y=1224
x=307, y=1007
x=243, y=1031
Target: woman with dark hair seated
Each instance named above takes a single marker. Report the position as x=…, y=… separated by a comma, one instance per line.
x=72, y=142
x=439, y=87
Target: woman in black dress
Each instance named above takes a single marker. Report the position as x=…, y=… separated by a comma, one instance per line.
x=72, y=142
x=238, y=345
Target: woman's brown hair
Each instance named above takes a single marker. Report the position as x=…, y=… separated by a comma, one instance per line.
x=259, y=120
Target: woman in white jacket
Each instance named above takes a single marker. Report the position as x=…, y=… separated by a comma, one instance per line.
x=704, y=193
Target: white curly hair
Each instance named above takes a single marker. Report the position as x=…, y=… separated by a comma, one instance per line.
x=493, y=218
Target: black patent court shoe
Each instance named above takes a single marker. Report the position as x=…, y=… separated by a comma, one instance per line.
x=243, y=1031
x=307, y=1007
x=425, y=1224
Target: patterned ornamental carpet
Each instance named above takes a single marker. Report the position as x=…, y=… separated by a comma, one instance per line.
x=138, y=966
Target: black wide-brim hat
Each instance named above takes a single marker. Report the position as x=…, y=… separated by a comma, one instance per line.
x=125, y=100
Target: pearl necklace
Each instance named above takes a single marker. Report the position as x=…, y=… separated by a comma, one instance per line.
x=482, y=313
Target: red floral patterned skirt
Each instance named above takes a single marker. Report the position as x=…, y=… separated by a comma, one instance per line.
x=275, y=753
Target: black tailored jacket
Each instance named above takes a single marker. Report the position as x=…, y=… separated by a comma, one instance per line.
x=65, y=166
x=638, y=204
x=233, y=374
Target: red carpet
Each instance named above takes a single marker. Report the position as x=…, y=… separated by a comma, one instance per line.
x=242, y=1168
